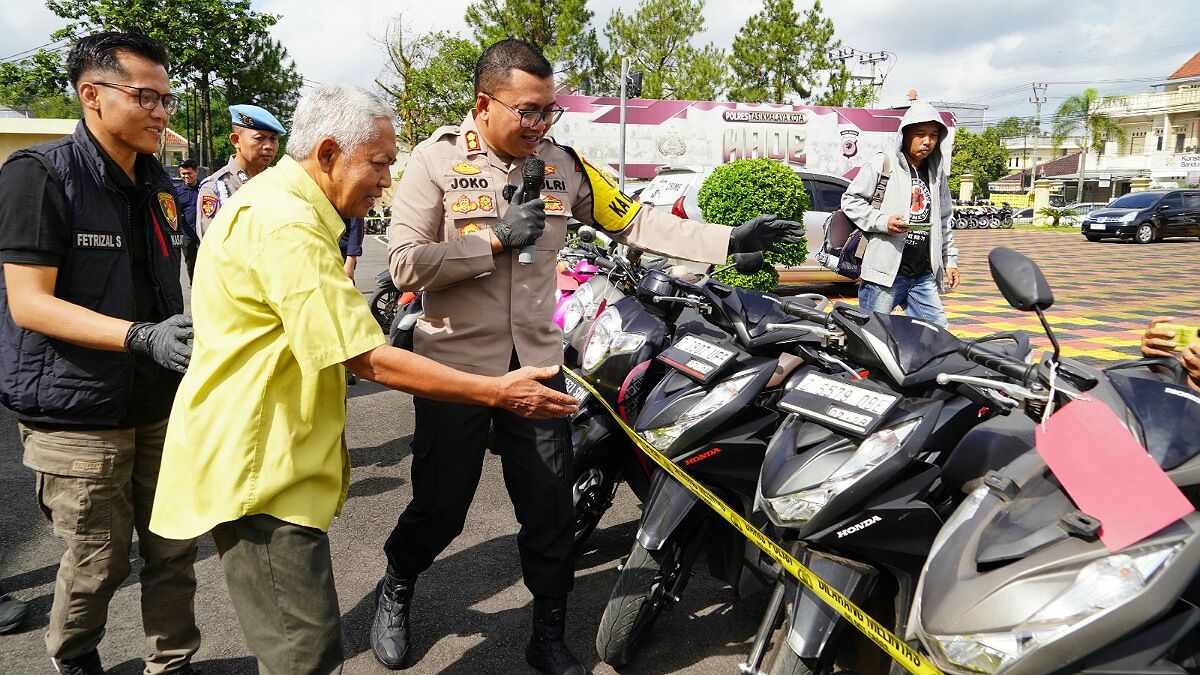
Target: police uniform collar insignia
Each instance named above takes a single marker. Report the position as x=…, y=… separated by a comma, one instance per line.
x=242, y=176
x=472, y=138
x=167, y=201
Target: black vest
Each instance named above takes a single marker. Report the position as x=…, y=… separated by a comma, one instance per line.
x=51, y=381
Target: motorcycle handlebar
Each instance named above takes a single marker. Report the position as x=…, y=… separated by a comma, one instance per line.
x=803, y=311
x=605, y=264
x=1001, y=363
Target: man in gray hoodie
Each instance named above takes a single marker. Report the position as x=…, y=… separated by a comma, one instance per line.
x=910, y=253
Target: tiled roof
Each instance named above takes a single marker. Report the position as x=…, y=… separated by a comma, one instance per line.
x=1189, y=69
x=1063, y=166
x=174, y=138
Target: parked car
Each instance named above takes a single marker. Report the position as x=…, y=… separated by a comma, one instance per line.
x=675, y=190
x=1084, y=208
x=1024, y=216
x=1146, y=216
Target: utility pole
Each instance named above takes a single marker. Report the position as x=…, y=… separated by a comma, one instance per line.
x=624, y=92
x=872, y=58
x=1039, y=91
x=844, y=54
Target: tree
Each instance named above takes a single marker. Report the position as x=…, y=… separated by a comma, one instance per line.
x=1079, y=118
x=560, y=28
x=657, y=40
x=427, y=79
x=981, y=155
x=1056, y=214
x=37, y=85
x=845, y=91
x=209, y=40
x=777, y=56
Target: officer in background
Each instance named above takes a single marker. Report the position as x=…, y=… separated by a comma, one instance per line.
x=92, y=343
x=186, y=196
x=455, y=237
x=255, y=139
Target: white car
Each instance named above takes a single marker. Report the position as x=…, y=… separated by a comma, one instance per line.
x=675, y=189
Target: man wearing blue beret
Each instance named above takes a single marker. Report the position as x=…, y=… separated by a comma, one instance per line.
x=255, y=139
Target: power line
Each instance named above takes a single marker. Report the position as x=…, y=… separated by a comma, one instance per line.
x=29, y=52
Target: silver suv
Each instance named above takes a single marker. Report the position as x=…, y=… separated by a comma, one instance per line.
x=675, y=190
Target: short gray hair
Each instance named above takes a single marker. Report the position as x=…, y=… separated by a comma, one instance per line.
x=343, y=112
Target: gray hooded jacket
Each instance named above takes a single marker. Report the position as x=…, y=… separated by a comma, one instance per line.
x=881, y=261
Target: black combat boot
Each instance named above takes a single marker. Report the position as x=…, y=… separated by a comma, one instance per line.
x=390, y=636
x=546, y=651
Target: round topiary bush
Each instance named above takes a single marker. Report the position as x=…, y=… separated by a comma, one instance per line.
x=741, y=190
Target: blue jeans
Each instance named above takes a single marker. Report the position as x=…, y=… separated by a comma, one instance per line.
x=918, y=295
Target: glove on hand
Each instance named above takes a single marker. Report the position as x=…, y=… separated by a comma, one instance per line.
x=748, y=263
x=165, y=343
x=764, y=233
x=522, y=224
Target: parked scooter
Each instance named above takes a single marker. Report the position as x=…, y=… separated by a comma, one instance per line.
x=1017, y=581
x=712, y=413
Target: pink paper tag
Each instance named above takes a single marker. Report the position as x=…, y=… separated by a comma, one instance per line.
x=1108, y=474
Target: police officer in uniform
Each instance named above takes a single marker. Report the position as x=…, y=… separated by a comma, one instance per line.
x=255, y=139
x=92, y=341
x=455, y=237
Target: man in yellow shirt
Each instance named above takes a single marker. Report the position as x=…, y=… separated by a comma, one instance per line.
x=255, y=447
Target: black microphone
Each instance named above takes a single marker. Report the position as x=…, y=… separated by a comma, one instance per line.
x=533, y=175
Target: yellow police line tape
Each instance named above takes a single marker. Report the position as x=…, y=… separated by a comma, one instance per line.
x=894, y=646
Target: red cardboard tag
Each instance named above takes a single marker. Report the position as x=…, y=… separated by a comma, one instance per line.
x=1108, y=474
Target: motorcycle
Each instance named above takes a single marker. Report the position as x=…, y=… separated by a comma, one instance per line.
x=859, y=476
x=1017, y=581
x=712, y=413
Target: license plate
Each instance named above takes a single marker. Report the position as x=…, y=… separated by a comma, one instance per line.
x=697, y=358
x=846, y=405
x=576, y=390
x=1096, y=226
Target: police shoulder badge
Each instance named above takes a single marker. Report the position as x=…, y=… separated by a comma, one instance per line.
x=465, y=169
x=208, y=206
x=167, y=201
x=472, y=137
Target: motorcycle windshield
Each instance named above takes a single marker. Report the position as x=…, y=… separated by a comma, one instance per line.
x=1030, y=522
x=1169, y=415
x=912, y=352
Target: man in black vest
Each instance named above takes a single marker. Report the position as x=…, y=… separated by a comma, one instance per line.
x=92, y=341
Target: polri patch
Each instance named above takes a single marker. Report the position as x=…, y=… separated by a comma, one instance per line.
x=99, y=240
x=208, y=206
x=167, y=201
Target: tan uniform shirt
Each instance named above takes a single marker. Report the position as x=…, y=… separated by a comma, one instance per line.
x=215, y=191
x=480, y=305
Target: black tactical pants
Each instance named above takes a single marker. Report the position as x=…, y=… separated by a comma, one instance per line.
x=448, y=450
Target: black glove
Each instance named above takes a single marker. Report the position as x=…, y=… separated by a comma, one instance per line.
x=748, y=263
x=166, y=343
x=764, y=233
x=522, y=224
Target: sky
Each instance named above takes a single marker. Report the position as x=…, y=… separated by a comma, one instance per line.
x=979, y=52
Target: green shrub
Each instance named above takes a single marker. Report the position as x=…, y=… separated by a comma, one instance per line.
x=1056, y=214
x=741, y=190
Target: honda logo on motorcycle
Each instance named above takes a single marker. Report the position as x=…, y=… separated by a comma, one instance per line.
x=859, y=526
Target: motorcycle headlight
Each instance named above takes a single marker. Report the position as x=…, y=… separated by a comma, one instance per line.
x=801, y=507
x=577, y=307
x=1099, y=587
x=663, y=437
x=607, y=339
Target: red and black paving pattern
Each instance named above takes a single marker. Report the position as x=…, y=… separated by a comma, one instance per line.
x=1105, y=293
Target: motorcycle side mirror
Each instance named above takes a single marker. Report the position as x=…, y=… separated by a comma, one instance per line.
x=1020, y=280
x=586, y=234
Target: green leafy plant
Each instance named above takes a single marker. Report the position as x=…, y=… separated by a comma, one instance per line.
x=1056, y=214
x=741, y=190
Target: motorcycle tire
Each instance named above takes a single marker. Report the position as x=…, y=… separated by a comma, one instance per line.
x=637, y=599
x=593, y=493
x=788, y=662
x=383, y=307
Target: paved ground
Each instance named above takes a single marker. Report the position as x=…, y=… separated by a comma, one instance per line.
x=472, y=609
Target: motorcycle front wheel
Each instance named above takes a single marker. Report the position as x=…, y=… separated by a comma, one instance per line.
x=383, y=307
x=638, y=598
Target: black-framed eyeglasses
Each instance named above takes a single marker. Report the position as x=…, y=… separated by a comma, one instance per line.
x=148, y=98
x=531, y=118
